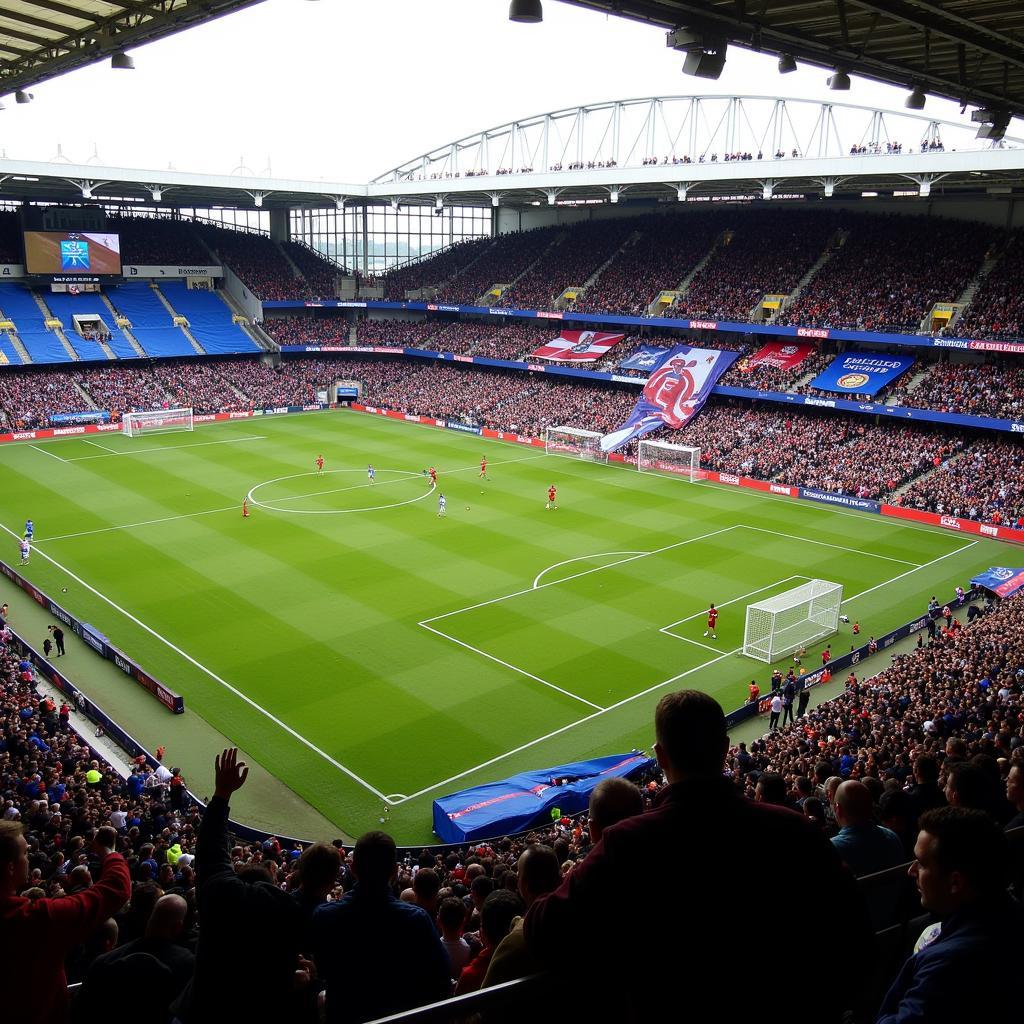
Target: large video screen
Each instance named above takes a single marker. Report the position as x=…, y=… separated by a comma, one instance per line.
x=68, y=253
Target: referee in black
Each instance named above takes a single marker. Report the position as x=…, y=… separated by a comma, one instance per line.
x=58, y=639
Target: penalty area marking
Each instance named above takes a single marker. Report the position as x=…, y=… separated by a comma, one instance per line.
x=111, y=454
x=580, y=558
x=406, y=475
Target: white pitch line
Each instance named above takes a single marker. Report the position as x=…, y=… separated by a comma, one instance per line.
x=513, y=668
x=213, y=675
x=580, y=558
x=96, y=444
x=725, y=604
x=165, y=448
x=577, y=575
x=656, y=686
x=826, y=544
x=146, y=522
x=45, y=452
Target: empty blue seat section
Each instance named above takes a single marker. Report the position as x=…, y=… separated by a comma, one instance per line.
x=163, y=341
x=44, y=347
x=195, y=304
x=86, y=349
x=218, y=339
x=141, y=305
x=8, y=349
x=18, y=305
x=121, y=345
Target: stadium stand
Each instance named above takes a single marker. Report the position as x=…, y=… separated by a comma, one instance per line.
x=159, y=242
x=209, y=319
x=307, y=330
x=434, y=270
x=151, y=323
x=18, y=305
x=997, y=310
x=11, y=354
x=258, y=262
x=320, y=273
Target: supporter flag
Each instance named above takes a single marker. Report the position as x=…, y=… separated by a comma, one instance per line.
x=783, y=354
x=645, y=358
x=861, y=373
x=577, y=346
x=674, y=393
x=1001, y=581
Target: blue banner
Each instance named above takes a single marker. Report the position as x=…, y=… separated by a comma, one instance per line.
x=834, y=498
x=85, y=416
x=674, y=393
x=465, y=428
x=1001, y=581
x=645, y=358
x=525, y=800
x=861, y=373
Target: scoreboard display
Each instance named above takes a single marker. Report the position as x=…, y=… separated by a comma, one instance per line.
x=72, y=254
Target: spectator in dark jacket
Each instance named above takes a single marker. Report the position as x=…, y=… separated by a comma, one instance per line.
x=247, y=961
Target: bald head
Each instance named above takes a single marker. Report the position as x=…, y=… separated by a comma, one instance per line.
x=853, y=804
x=168, y=918
x=613, y=800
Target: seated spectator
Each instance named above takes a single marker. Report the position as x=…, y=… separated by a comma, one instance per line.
x=36, y=935
x=451, y=921
x=359, y=940
x=866, y=847
x=612, y=801
x=962, y=872
x=699, y=832
x=498, y=912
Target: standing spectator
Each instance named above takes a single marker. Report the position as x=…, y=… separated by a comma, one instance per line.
x=451, y=920
x=237, y=974
x=359, y=940
x=58, y=639
x=963, y=973
x=805, y=695
x=699, y=832
x=36, y=935
x=773, y=721
x=925, y=794
x=865, y=847
x=500, y=909
x=788, y=696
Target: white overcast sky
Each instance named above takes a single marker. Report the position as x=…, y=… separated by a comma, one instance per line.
x=343, y=91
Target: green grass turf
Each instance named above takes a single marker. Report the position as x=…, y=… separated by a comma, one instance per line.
x=543, y=638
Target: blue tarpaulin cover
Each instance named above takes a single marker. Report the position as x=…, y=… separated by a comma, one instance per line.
x=525, y=800
x=1001, y=581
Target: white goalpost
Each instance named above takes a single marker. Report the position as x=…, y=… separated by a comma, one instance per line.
x=575, y=443
x=156, y=421
x=780, y=625
x=662, y=457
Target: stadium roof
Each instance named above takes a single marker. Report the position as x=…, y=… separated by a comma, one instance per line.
x=41, y=39
x=971, y=51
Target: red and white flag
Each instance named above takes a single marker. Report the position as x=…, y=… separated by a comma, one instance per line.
x=578, y=346
x=783, y=354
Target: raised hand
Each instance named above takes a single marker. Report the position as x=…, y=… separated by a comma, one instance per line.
x=229, y=773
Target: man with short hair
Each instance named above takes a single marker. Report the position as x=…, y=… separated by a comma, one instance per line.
x=965, y=972
x=926, y=793
x=699, y=832
x=317, y=869
x=1015, y=795
x=358, y=940
x=500, y=909
x=612, y=801
x=866, y=848
x=36, y=935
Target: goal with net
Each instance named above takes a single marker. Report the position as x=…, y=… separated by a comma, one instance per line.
x=576, y=443
x=663, y=457
x=156, y=421
x=782, y=624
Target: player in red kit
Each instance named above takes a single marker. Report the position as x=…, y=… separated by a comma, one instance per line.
x=319, y=464
x=551, y=497
x=483, y=467
x=433, y=477
x=712, y=619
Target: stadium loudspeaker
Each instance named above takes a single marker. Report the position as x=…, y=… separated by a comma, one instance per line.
x=916, y=99
x=786, y=63
x=120, y=61
x=528, y=12
x=704, y=63
x=23, y=97
x=839, y=82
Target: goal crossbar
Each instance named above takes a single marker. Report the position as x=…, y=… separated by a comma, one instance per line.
x=156, y=421
x=778, y=626
x=575, y=443
x=664, y=457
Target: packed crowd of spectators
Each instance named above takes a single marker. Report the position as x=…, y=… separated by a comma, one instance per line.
x=570, y=261
x=159, y=241
x=307, y=330
x=997, y=310
x=890, y=271
x=974, y=389
x=320, y=273
x=433, y=270
x=985, y=482
x=258, y=262
x=763, y=254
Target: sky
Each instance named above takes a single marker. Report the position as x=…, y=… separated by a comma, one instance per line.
x=343, y=91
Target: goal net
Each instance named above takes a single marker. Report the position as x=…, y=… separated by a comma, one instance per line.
x=576, y=443
x=663, y=457
x=780, y=625
x=156, y=421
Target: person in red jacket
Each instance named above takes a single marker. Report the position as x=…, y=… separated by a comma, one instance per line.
x=36, y=935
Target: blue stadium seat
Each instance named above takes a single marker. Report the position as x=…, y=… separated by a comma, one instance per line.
x=163, y=341
x=8, y=349
x=45, y=347
x=141, y=305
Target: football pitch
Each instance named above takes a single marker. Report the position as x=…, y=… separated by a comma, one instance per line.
x=366, y=651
